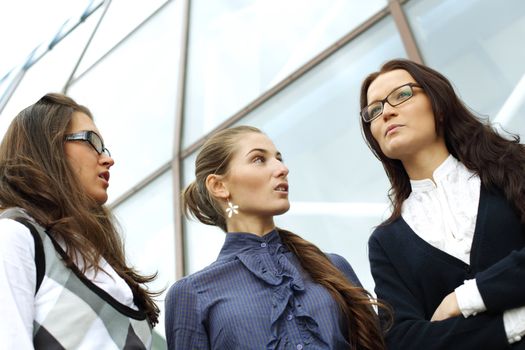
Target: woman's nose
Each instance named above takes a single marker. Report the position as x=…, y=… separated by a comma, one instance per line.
x=388, y=111
x=282, y=170
x=107, y=160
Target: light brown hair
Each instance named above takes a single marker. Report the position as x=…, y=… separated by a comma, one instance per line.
x=35, y=175
x=363, y=329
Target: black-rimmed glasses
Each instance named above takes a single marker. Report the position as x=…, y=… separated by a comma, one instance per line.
x=90, y=137
x=394, y=98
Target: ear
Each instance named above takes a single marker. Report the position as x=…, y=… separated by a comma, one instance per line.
x=217, y=187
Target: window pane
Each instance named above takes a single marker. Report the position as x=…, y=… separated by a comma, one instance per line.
x=50, y=73
x=26, y=24
x=337, y=188
x=510, y=116
x=484, y=59
x=147, y=224
x=239, y=49
x=132, y=95
x=8, y=83
x=120, y=19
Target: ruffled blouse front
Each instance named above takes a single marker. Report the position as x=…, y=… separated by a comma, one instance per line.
x=256, y=296
x=443, y=212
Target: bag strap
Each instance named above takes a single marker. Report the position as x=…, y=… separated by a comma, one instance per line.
x=40, y=259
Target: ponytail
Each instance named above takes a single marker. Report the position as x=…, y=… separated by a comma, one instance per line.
x=202, y=207
x=364, y=330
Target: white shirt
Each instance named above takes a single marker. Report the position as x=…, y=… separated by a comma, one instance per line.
x=18, y=283
x=443, y=212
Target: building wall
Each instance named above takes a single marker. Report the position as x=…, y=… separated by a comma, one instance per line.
x=160, y=76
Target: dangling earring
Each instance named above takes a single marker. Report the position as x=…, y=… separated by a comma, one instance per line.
x=232, y=209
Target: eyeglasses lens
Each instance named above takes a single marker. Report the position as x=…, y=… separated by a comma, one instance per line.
x=396, y=97
x=96, y=142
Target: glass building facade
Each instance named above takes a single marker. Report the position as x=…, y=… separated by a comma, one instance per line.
x=160, y=76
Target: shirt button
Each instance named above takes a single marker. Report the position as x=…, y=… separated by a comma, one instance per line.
x=263, y=245
x=299, y=346
x=289, y=317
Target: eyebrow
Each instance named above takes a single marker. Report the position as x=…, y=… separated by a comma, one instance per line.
x=278, y=154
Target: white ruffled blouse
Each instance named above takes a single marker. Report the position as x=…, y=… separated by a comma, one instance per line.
x=443, y=212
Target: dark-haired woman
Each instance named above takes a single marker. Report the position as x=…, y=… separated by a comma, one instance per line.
x=64, y=281
x=269, y=288
x=450, y=259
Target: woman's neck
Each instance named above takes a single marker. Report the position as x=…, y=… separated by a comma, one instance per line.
x=257, y=226
x=423, y=165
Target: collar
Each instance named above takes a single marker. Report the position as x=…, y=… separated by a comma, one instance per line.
x=448, y=166
x=236, y=243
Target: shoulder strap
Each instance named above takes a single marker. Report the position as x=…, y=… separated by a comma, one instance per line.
x=40, y=261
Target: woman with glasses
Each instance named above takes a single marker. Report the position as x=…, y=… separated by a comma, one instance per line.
x=269, y=288
x=450, y=259
x=64, y=280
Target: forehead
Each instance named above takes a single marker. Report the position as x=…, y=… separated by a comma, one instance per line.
x=387, y=82
x=250, y=141
x=80, y=122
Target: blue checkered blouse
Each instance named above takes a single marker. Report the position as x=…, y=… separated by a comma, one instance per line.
x=255, y=296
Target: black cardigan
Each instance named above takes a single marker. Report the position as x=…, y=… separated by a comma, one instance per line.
x=413, y=277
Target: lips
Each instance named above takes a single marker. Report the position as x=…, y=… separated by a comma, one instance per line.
x=282, y=187
x=104, y=175
x=392, y=127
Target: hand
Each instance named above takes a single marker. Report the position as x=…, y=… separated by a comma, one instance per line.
x=447, y=309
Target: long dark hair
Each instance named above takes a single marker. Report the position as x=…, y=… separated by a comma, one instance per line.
x=355, y=302
x=35, y=175
x=499, y=162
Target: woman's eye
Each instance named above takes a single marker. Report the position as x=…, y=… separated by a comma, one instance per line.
x=375, y=110
x=258, y=159
x=403, y=95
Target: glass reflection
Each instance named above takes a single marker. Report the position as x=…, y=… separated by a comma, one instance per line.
x=122, y=17
x=147, y=223
x=50, y=73
x=239, y=49
x=480, y=37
